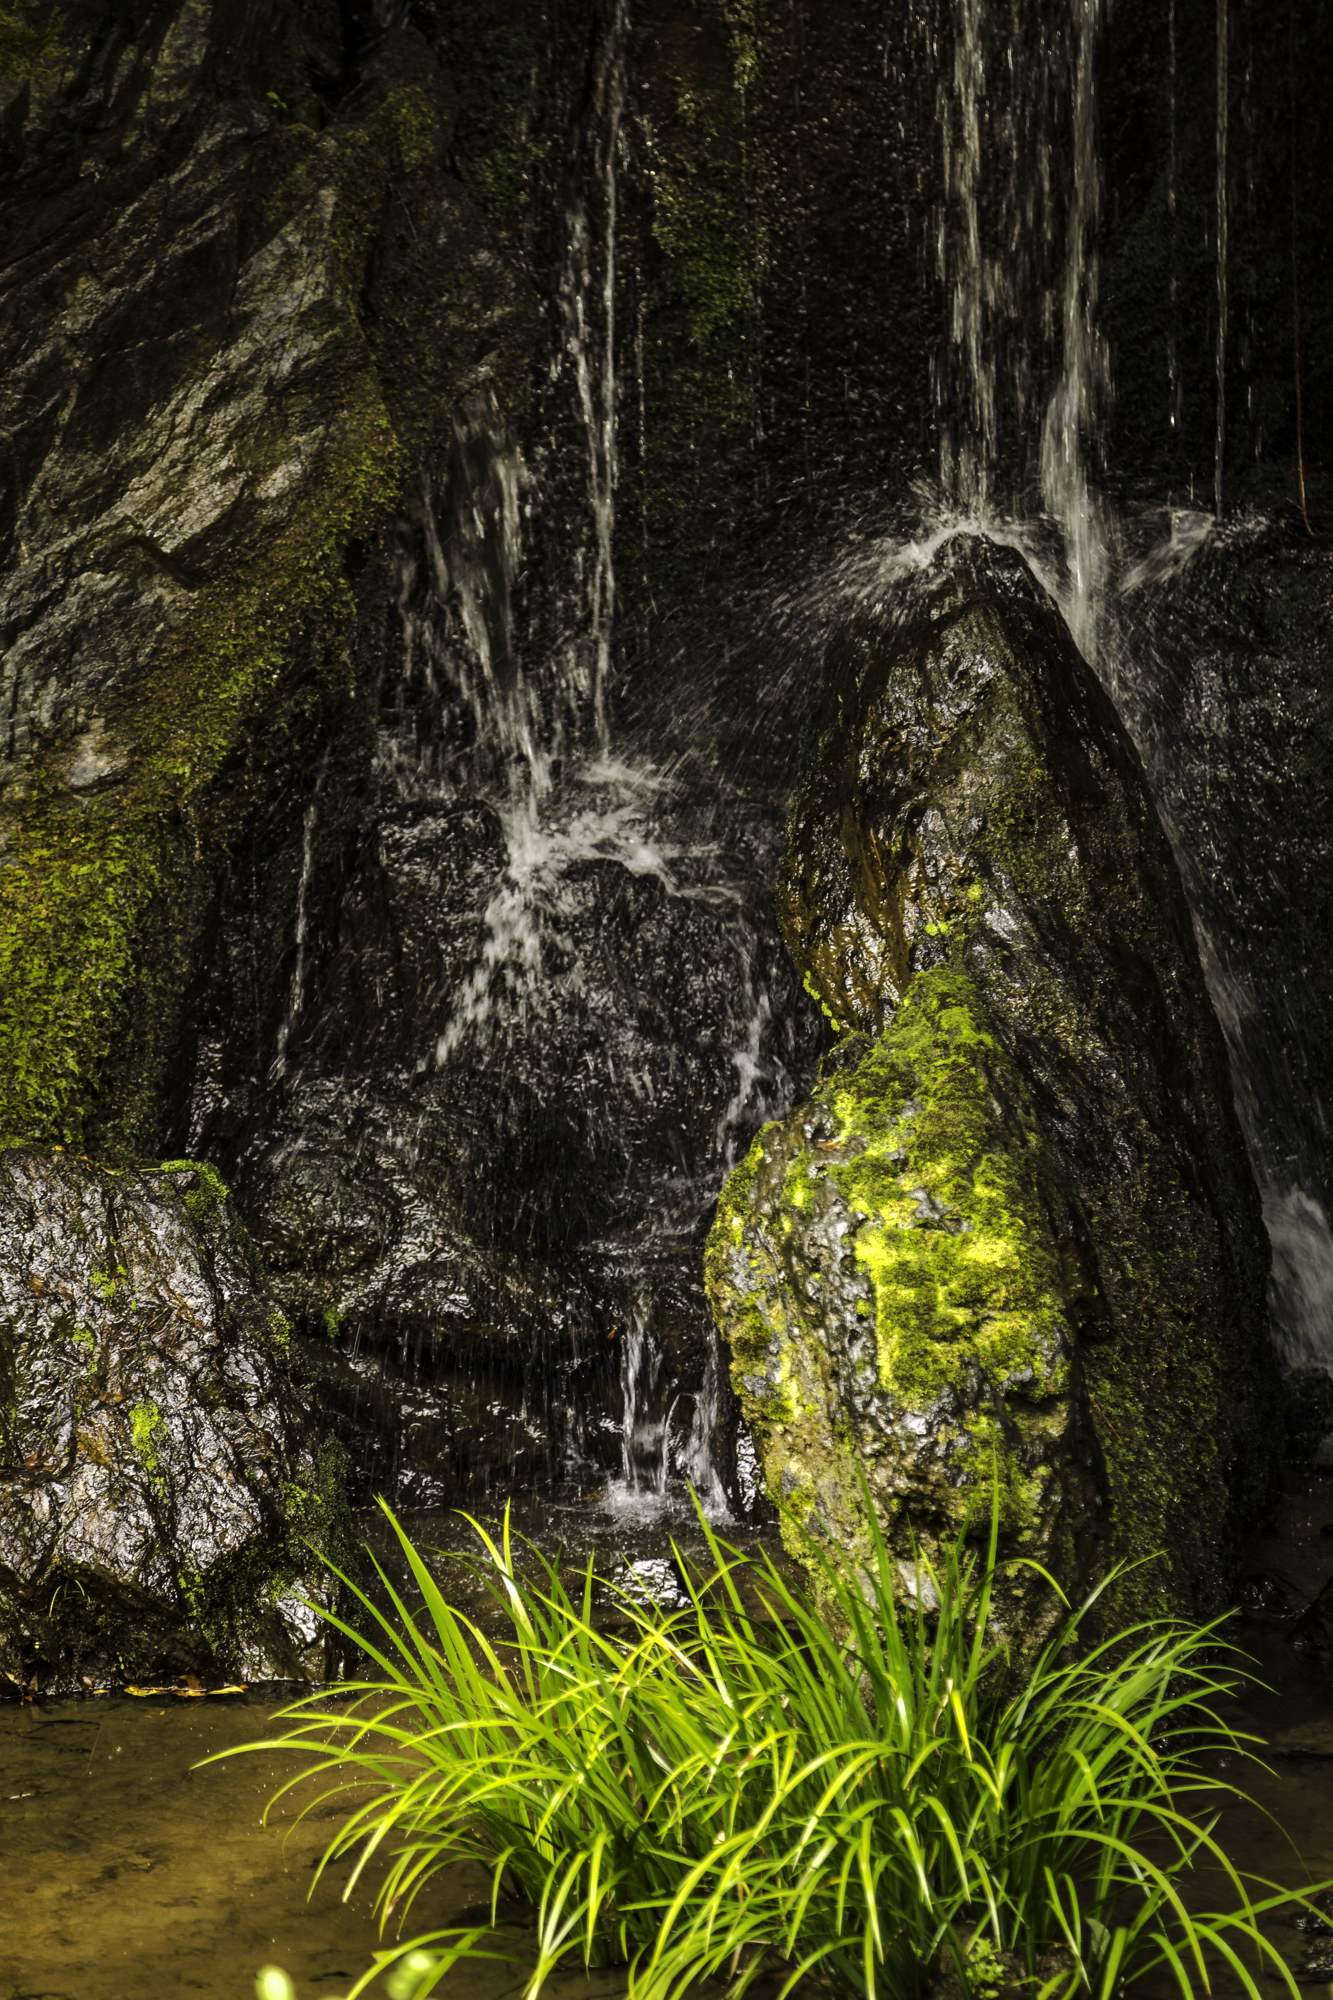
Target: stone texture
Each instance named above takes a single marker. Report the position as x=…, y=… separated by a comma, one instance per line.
x=887, y=1268
x=161, y=1466
x=973, y=846
x=229, y=321
x=1223, y=672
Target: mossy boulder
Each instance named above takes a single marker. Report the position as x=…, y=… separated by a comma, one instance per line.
x=887, y=1268
x=1015, y=1224
x=166, y=1488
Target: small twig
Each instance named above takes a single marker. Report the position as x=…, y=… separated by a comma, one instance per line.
x=1106, y=1420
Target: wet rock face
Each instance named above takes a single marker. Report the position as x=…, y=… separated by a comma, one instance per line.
x=230, y=316
x=160, y=1463
x=300, y=551
x=973, y=847
x=1224, y=673
x=487, y=1158
x=887, y=1266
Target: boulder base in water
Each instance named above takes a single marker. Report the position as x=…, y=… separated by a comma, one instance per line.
x=161, y=1473
x=1016, y=1219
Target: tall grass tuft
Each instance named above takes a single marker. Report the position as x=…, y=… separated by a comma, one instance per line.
x=837, y=1788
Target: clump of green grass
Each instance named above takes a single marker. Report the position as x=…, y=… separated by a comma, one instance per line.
x=831, y=1784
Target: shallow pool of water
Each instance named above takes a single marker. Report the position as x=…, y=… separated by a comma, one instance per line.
x=131, y=1874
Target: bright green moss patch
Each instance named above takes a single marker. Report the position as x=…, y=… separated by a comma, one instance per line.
x=79, y=884
x=884, y=1268
x=207, y=1196
x=145, y=1422
x=101, y=897
x=71, y=893
x=954, y=1241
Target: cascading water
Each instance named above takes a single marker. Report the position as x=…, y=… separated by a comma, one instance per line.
x=1018, y=258
x=995, y=234
x=1069, y=435
x=536, y=1004
x=1127, y=593
x=556, y=1002
x=588, y=288
x=1220, y=362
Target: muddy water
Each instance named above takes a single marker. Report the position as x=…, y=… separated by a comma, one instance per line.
x=127, y=1874
x=1286, y=1835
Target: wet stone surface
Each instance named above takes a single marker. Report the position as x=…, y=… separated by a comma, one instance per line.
x=530, y=1040
x=973, y=838
x=1220, y=665
x=161, y=1459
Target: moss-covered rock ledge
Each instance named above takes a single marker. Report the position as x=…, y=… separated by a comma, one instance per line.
x=1015, y=1224
x=243, y=296
x=166, y=1489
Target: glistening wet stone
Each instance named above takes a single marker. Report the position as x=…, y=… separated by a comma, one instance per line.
x=978, y=889
x=165, y=1480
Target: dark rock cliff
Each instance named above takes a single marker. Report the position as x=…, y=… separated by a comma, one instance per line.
x=403, y=403
x=225, y=334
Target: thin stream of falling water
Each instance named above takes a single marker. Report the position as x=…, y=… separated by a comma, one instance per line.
x=595, y=375
x=1299, y=1230
x=1222, y=39
x=1073, y=415
x=965, y=460
x=1175, y=392
x=995, y=232
x=297, y=994
x=999, y=110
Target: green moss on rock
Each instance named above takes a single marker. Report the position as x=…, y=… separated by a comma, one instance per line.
x=369, y=297
x=971, y=810
x=955, y=1242
x=885, y=1268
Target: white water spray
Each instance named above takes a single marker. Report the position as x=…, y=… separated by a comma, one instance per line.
x=1070, y=434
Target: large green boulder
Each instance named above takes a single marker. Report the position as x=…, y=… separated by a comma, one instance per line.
x=1014, y=1226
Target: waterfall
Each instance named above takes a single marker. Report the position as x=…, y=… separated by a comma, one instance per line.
x=1018, y=260
x=1072, y=418
x=588, y=306
x=1221, y=349
x=991, y=280
x=995, y=231
x=1175, y=388
x=966, y=459
x=580, y=1003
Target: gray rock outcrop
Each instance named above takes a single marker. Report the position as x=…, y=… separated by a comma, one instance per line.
x=164, y=1482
